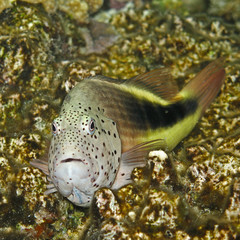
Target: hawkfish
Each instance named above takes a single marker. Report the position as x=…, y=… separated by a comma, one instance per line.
x=106, y=127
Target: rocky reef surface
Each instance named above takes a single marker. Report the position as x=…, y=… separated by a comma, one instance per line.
x=48, y=46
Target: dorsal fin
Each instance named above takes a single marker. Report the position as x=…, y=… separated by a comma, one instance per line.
x=107, y=79
x=158, y=81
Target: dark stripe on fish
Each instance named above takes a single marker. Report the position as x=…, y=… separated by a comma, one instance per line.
x=145, y=114
x=158, y=116
x=130, y=111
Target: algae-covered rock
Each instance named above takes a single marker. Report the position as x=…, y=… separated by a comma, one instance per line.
x=34, y=75
x=77, y=9
x=192, y=192
x=165, y=206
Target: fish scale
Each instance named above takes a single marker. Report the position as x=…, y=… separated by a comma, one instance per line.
x=106, y=127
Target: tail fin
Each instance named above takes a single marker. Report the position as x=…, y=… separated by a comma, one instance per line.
x=206, y=84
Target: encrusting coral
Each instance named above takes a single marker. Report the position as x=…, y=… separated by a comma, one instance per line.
x=192, y=192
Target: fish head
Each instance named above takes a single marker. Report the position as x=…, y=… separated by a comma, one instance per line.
x=84, y=154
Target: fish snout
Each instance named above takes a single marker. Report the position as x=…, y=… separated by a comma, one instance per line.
x=71, y=179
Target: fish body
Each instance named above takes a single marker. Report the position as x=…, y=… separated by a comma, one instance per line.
x=106, y=127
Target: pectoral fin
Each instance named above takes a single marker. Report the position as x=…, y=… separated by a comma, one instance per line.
x=40, y=164
x=135, y=157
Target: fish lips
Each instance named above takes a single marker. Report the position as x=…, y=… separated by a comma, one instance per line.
x=71, y=173
x=71, y=160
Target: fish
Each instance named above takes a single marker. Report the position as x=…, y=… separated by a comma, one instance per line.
x=106, y=127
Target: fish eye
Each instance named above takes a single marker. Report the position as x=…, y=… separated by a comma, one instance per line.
x=91, y=126
x=54, y=128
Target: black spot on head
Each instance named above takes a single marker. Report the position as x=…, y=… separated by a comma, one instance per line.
x=103, y=130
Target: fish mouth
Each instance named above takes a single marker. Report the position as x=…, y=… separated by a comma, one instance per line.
x=71, y=160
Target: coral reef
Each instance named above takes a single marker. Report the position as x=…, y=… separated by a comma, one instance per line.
x=192, y=192
x=80, y=10
x=168, y=204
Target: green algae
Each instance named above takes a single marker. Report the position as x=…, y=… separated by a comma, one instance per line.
x=194, y=194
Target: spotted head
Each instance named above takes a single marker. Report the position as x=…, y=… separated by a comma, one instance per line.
x=84, y=154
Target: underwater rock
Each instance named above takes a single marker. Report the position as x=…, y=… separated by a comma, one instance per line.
x=34, y=77
x=80, y=10
x=77, y=9
x=161, y=207
x=195, y=189
x=118, y=4
x=98, y=37
x=5, y=4
x=229, y=9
